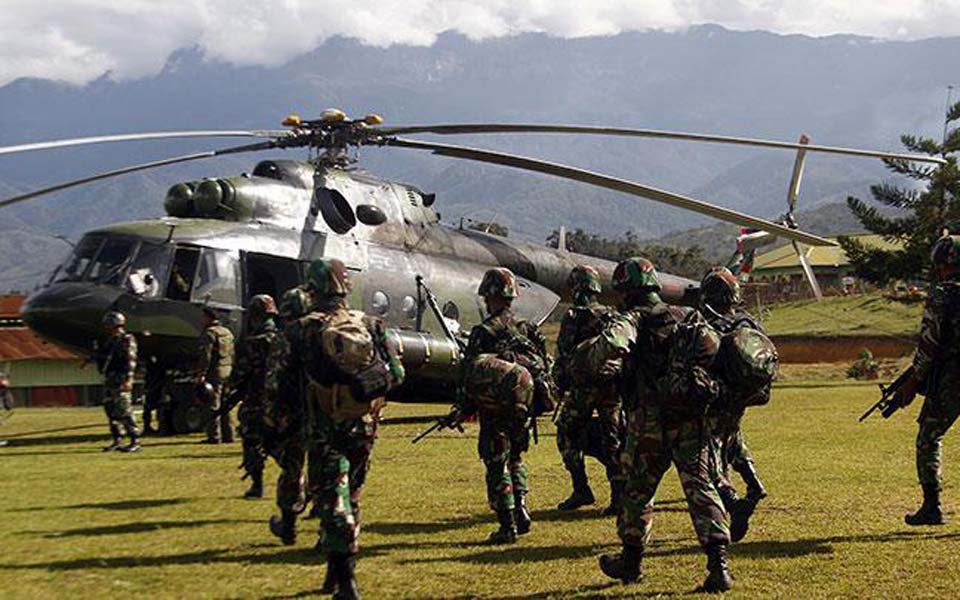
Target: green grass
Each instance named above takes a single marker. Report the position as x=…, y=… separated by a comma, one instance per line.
x=168, y=522
x=868, y=314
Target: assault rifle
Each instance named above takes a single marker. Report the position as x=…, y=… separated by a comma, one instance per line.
x=454, y=420
x=889, y=401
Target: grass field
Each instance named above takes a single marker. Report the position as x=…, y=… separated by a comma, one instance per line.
x=169, y=521
x=867, y=314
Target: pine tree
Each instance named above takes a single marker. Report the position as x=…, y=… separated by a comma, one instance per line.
x=925, y=210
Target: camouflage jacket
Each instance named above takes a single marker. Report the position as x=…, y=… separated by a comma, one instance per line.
x=118, y=363
x=938, y=329
x=260, y=356
x=216, y=353
x=728, y=323
x=579, y=323
x=668, y=352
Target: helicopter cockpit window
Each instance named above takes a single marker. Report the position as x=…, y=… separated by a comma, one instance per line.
x=218, y=279
x=335, y=209
x=149, y=269
x=182, y=273
x=110, y=264
x=78, y=262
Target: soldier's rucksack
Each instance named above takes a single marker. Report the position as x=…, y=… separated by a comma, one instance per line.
x=498, y=386
x=349, y=363
x=748, y=360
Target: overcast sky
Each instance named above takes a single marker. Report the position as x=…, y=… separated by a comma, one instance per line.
x=79, y=40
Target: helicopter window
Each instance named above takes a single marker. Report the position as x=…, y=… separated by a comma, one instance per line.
x=409, y=307
x=218, y=278
x=78, y=262
x=336, y=210
x=379, y=303
x=182, y=273
x=112, y=260
x=149, y=269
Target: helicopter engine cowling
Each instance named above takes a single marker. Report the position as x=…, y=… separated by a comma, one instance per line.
x=238, y=199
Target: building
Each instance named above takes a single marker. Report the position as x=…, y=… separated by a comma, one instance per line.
x=42, y=373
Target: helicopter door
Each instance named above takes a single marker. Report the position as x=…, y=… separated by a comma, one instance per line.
x=182, y=273
x=265, y=274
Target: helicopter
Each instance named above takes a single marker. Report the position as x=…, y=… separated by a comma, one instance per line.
x=225, y=239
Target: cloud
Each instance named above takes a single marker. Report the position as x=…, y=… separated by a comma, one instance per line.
x=78, y=40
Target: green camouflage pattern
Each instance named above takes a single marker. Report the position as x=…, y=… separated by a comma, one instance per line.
x=585, y=283
x=636, y=274
x=216, y=353
x=937, y=369
x=328, y=277
x=295, y=303
x=498, y=282
x=498, y=386
x=118, y=365
x=720, y=290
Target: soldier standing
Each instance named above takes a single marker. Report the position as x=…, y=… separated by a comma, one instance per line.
x=256, y=380
x=6, y=401
x=589, y=392
x=668, y=351
x=216, y=364
x=117, y=364
x=936, y=375
x=720, y=302
x=499, y=385
x=340, y=425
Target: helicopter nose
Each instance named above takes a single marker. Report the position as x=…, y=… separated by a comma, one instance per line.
x=69, y=313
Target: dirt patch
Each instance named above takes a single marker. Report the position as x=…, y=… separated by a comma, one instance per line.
x=817, y=349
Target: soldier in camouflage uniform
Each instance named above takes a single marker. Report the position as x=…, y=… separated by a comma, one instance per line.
x=936, y=374
x=256, y=380
x=502, y=355
x=216, y=364
x=720, y=302
x=338, y=448
x=588, y=392
x=667, y=352
x=118, y=364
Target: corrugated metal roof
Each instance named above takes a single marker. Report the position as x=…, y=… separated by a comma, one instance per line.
x=19, y=343
x=820, y=256
x=10, y=305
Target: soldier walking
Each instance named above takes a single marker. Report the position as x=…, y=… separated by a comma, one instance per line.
x=720, y=303
x=668, y=352
x=936, y=375
x=590, y=391
x=499, y=385
x=216, y=364
x=118, y=364
x=6, y=401
x=256, y=381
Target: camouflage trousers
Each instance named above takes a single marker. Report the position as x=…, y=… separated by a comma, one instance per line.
x=653, y=441
x=940, y=410
x=222, y=428
x=290, y=455
x=338, y=457
x=501, y=444
x=117, y=404
x=729, y=448
x=579, y=433
x=250, y=415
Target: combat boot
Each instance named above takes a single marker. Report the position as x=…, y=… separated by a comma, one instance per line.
x=613, y=509
x=582, y=494
x=930, y=512
x=330, y=579
x=521, y=515
x=285, y=527
x=117, y=439
x=256, y=486
x=740, y=515
x=719, y=578
x=133, y=446
x=625, y=566
x=345, y=568
x=729, y=497
x=755, y=489
x=507, y=534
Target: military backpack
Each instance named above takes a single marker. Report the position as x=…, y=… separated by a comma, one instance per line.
x=748, y=360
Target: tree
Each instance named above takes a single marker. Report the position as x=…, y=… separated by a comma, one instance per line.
x=926, y=209
x=688, y=262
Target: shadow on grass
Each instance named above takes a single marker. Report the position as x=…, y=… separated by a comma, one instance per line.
x=515, y=554
x=24, y=434
x=119, y=505
x=136, y=527
x=439, y=526
x=84, y=438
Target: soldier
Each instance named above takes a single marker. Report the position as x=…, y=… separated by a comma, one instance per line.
x=6, y=401
x=117, y=364
x=256, y=380
x=589, y=392
x=720, y=301
x=216, y=364
x=936, y=374
x=340, y=428
x=668, y=351
x=499, y=382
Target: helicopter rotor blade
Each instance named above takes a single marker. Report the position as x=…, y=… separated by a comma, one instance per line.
x=133, y=168
x=808, y=271
x=612, y=183
x=479, y=128
x=132, y=137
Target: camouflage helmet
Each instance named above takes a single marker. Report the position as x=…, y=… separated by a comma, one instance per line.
x=114, y=319
x=295, y=303
x=636, y=274
x=946, y=251
x=498, y=282
x=584, y=278
x=328, y=277
x=261, y=306
x=720, y=288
